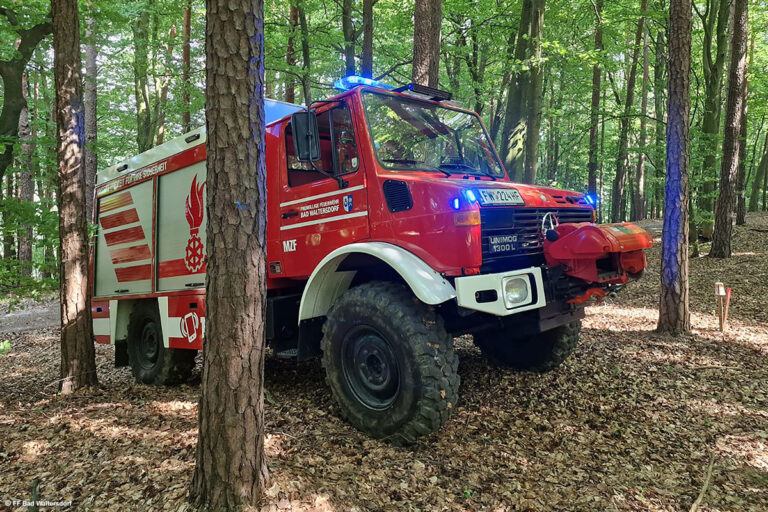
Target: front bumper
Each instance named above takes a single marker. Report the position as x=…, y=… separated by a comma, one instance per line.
x=485, y=292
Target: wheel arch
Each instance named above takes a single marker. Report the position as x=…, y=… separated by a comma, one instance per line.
x=335, y=274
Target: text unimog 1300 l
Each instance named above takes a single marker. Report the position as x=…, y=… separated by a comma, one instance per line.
x=392, y=227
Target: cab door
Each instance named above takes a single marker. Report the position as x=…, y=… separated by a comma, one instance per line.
x=317, y=214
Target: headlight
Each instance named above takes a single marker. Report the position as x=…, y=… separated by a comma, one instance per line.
x=516, y=291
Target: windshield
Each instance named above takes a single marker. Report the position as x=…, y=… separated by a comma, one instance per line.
x=409, y=134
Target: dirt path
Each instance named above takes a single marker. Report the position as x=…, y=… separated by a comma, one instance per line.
x=630, y=423
x=28, y=316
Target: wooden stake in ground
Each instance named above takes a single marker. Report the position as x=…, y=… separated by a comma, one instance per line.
x=78, y=365
x=723, y=295
x=230, y=470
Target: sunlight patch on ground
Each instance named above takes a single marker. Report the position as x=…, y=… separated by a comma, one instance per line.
x=33, y=449
x=749, y=449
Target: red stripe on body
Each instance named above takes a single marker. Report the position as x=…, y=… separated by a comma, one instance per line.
x=123, y=236
x=128, y=254
x=179, y=306
x=119, y=219
x=102, y=339
x=114, y=202
x=176, y=268
x=184, y=343
x=134, y=273
x=100, y=309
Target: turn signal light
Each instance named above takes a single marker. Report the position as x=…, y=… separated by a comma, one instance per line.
x=470, y=218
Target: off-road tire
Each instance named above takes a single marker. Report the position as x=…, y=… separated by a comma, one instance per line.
x=539, y=353
x=151, y=362
x=405, y=334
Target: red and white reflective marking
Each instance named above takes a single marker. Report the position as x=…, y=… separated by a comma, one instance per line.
x=183, y=321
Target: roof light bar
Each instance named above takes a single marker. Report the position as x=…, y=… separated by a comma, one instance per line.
x=425, y=92
x=349, y=82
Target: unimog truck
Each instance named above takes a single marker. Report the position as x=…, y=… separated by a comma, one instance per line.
x=392, y=228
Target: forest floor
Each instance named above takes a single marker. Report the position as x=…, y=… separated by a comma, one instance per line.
x=633, y=421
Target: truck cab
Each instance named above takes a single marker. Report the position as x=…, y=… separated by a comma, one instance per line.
x=392, y=227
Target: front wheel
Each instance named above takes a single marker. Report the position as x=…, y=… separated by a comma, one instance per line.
x=389, y=362
x=539, y=353
x=151, y=361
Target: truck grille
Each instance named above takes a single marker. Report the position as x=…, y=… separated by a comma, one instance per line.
x=525, y=224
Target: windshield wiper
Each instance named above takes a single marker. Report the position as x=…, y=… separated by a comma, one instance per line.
x=408, y=161
x=475, y=171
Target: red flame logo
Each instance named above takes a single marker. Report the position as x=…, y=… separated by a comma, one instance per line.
x=194, y=206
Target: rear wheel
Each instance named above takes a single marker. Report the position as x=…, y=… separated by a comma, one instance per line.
x=389, y=362
x=539, y=353
x=151, y=362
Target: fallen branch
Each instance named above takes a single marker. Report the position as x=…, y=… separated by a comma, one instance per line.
x=704, y=487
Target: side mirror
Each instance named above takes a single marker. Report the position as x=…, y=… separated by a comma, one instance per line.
x=306, y=138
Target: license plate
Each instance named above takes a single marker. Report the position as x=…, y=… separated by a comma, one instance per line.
x=499, y=196
x=501, y=243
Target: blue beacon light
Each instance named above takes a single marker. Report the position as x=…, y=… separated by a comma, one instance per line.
x=348, y=82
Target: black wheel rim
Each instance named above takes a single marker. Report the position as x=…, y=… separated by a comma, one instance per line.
x=149, y=347
x=370, y=368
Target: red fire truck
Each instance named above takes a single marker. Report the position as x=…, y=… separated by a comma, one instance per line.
x=392, y=228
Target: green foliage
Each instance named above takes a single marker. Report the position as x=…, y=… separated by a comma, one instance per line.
x=5, y=347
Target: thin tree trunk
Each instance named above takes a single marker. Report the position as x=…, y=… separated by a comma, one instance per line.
x=290, y=55
x=91, y=122
x=26, y=184
x=348, y=30
x=306, y=63
x=617, y=197
x=724, y=207
x=9, y=238
x=164, y=87
x=186, y=123
x=641, y=203
x=230, y=470
x=659, y=86
x=754, y=196
x=595, y=107
x=366, y=65
x=715, y=28
x=741, y=177
x=78, y=365
x=145, y=134
x=674, y=314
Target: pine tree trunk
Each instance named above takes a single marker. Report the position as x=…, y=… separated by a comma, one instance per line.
x=366, y=65
x=754, y=196
x=78, y=366
x=641, y=202
x=724, y=207
x=230, y=470
x=145, y=133
x=618, y=205
x=659, y=160
x=595, y=107
x=674, y=315
x=91, y=120
x=741, y=178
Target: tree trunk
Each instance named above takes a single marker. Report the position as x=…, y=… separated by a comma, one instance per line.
x=366, y=66
x=724, y=207
x=617, y=197
x=674, y=315
x=754, y=196
x=306, y=63
x=163, y=100
x=595, y=107
x=715, y=27
x=11, y=71
x=186, y=122
x=9, y=238
x=290, y=55
x=741, y=178
x=91, y=122
x=145, y=133
x=230, y=470
x=348, y=29
x=641, y=203
x=427, y=24
x=513, y=131
x=78, y=366
x=26, y=184
x=535, y=94
x=659, y=161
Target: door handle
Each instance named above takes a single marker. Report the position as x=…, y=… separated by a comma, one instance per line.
x=289, y=214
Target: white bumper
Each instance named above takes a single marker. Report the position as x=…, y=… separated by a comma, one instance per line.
x=486, y=292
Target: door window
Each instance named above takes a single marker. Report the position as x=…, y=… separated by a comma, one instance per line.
x=338, y=148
